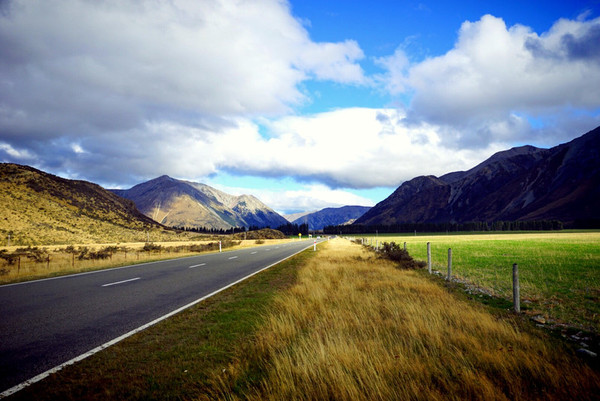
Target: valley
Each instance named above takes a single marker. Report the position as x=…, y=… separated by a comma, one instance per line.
x=299, y=200
x=57, y=227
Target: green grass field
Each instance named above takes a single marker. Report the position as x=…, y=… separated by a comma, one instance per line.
x=559, y=271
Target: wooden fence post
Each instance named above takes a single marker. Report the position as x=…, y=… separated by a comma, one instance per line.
x=516, y=289
x=404, y=246
x=449, y=264
x=429, y=257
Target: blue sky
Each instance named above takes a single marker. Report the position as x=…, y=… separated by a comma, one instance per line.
x=305, y=104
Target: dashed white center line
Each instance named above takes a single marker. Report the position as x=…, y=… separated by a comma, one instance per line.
x=201, y=264
x=252, y=253
x=233, y=257
x=120, y=282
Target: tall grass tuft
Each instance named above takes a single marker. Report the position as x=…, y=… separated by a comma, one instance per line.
x=354, y=327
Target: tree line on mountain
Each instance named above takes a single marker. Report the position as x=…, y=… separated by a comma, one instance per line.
x=216, y=231
x=294, y=229
x=287, y=229
x=533, y=225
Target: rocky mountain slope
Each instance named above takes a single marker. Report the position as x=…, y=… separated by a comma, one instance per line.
x=332, y=216
x=42, y=209
x=180, y=203
x=524, y=183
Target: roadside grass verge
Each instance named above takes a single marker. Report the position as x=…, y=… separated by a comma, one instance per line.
x=179, y=358
x=559, y=272
x=356, y=327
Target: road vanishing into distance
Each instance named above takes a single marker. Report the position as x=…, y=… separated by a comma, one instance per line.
x=46, y=323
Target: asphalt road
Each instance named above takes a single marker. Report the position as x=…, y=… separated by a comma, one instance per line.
x=46, y=323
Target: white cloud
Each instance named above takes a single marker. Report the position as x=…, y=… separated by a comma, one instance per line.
x=16, y=153
x=308, y=197
x=355, y=147
x=346, y=148
x=396, y=65
x=495, y=73
x=75, y=67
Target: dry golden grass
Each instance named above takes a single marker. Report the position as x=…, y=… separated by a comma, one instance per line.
x=62, y=262
x=357, y=328
x=41, y=209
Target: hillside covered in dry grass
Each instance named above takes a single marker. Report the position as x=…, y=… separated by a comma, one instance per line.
x=42, y=209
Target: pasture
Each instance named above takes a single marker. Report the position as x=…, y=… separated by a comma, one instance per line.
x=559, y=271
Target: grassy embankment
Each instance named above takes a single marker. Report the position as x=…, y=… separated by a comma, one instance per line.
x=27, y=263
x=559, y=271
x=335, y=324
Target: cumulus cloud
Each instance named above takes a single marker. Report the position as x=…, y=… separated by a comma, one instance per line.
x=80, y=67
x=307, y=197
x=497, y=77
x=346, y=148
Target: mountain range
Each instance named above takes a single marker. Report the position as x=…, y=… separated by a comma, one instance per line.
x=331, y=216
x=178, y=203
x=523, y=183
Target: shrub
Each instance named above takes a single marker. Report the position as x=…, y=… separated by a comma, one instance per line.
x=35, y=253
x=104, y=253
x=151, y=247
x=392, y=251
x=9, y=257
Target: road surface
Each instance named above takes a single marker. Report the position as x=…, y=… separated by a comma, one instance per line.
x=46, y=323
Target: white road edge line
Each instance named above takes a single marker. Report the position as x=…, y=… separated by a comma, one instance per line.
x=201, y=264
x=66, y=276
x=91, y=352
x=120, y=282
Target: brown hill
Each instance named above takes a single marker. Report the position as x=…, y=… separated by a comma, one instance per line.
x=524, y=183
x=41, y=209
x=177, y=203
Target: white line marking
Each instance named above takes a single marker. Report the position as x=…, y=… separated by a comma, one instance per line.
x=252, y=253
x=91, y=352
x=201, y=264
x=94, y=272
x=121, y=282
x=233, y=257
